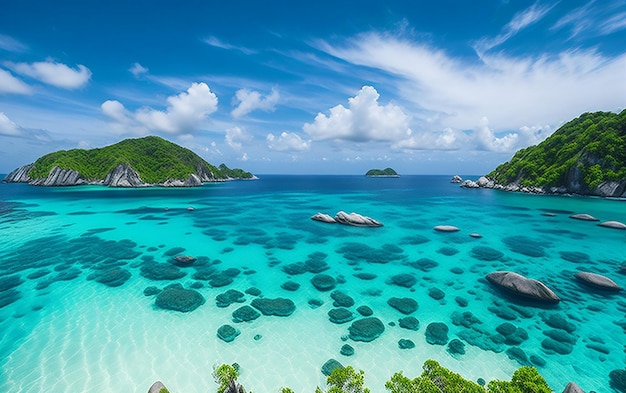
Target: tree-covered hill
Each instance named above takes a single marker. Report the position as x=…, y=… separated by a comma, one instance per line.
x=154, y=159
x=387, y=172
x=586, y=155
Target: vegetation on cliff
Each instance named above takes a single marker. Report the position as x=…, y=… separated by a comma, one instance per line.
x=382, y=172
x=586, y=151
x=155, y=160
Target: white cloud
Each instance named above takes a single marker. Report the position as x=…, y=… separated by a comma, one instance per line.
x=236, y=136
x=137, y=70
x=364, y=120
x=448, y=139
x=7, y=126
x=510, y=91
x=250, y=100
x=55, y=74
x=184, y=113
x=520, y=21
x=217, y=43
x=10, y=84
x=10, y=44
x=287, y=141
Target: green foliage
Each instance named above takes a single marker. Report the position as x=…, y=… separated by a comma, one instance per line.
x=164, y=390
x=223, y=375
x=381, y=172
x=346, y=380
x=595, y=143
x=155, y=160
x=524, y=380
x=286, y=390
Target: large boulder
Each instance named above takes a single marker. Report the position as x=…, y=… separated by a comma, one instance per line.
x=598, y=281
x=572, y=387
x=522, y=286
x=175, y=297
x=366, y=329
x=323, y=218
x=356, y=220
x=613, y=224
x=157, y=387
x=279, y=307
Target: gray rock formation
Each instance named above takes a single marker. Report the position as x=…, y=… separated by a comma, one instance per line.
x=323, y=218
x=598, y=281
x=446, y=228
x=123, y=176
x=572, y=387
x=355, y=219
x=156, y=387
x=456, y=179
x=19, y=175
x=60, y=177
x=469, y=184
x=583, y=217
x=613, y=224
x=522, y=286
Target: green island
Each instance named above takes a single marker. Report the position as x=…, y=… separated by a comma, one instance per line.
x=433, y=379
x=387, y=172
x=143, y=161
x=585, y=156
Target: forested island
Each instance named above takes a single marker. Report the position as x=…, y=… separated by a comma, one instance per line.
x=138, y=162
x=585, y=156
x=387, y=172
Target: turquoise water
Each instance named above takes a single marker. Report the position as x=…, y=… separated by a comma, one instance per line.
x=74, y=264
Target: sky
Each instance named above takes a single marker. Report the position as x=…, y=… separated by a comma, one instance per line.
x=277, y=87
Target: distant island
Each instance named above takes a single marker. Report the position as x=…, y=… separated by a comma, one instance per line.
x=138, y=162
x=585, y=156
x=387, y=172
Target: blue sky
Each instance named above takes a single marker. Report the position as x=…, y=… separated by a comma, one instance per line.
x=425, y=87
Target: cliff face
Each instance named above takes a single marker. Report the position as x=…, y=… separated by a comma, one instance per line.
x=19, y=175
x=123, y=176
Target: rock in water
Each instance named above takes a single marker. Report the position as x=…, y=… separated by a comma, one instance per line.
x=323, y=218
x=613, y=224
x=157, y=387
x=179, y=299
x=456, y=179
x=366, y=329
x=572, y=387
x=446, y=228
x=598, y=281
x=357, y=220
x=522, y=286
x=583, y=217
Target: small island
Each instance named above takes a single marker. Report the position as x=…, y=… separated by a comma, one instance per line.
x=387, y=172
x=138, y=162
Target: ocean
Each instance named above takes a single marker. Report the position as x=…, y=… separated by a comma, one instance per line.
x=75, y=264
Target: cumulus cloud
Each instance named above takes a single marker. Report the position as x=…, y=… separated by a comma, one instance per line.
x=10, y=84
x=55, y=74
x=511, y=91
x=250, y=100
x=137, y=70
x=236, y=136
x=184, y=113
x=7, y=126
x=287, y=141
x=365, y=119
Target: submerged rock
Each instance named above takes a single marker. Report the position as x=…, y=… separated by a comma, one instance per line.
x=175, y=297
x=330, y=366
x=366, y=329
x=598, y=281
x=229, y=297
x=245, y=314
x=323, y=282
x=406, y=344
x=522, y=286
x=405, y=305
x=340, y=315
x=227, y=333
x=572, y=387
x=347, y=350
x=279, y=307
x=437, y=333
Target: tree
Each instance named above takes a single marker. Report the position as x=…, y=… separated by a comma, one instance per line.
x=346, y=380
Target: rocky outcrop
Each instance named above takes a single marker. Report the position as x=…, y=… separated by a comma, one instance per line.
x=323, y=218
x=355, y=219
x=598, y=281
x=522, y=286
x=572, y=387
x=123, y=176
x=60, y=177
x=613, y=224
x=157, y=387
x=456, y=179
x=19, y=175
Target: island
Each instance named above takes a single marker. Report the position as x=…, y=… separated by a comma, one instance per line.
x=135, y=162
x=387, y=172
x=585, y=156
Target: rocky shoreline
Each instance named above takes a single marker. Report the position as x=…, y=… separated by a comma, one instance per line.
x=608, y=189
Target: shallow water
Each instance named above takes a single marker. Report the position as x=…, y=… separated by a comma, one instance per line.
x=74, y=263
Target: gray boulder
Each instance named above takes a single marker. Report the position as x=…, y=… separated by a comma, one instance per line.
x=598, y=281
x=323, y=218
x=356, y=219
x=572, y=387
x=613, y=224
x=19, y=175
x=456, y=179
x=157, y=387
x=583, y=217
x=446, y=228
x=469, y=184
x=522, y=286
